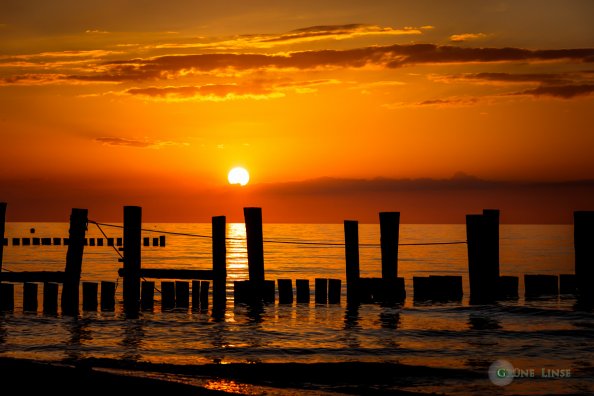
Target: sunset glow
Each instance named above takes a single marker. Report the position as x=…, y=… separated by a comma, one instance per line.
x=344, y=108
x=239, y=176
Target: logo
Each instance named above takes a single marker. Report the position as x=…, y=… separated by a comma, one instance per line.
x=501, y=372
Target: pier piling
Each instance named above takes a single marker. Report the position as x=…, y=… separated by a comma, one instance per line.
x=167, y=295
x=90, y=291
x=74, y=257
x=285, y=291
x=132, y=259
x=351, y=246
x=389, y=234
x=321, y=290
x=147, y=296
x=50, y=298
x=219, y=262
x=302, y=286
x=30, y=302
x=583, y=239
x=6, y=297
x=108, y=290
x=182, y=294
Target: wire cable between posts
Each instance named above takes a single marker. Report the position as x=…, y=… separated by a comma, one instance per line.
x=310, y=243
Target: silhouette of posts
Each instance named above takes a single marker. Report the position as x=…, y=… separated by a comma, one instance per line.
x=219, y=262
x=147, y=298
x=255, y=247
x=302, y=286
x=2, y=229
x=389, y=233
x=351, y=249
x=182, y=294
x=167, y=295
x=132, y=246
x=50, y=298
x=482, y=234
x=108, y=296
x=583, y=240
x=90, y=291
x=74, y=257
x=321, y=290
x=30, y=303
x=285, y=291
x=257, y=289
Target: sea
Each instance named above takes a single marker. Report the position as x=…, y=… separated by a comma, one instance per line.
x=549, y=342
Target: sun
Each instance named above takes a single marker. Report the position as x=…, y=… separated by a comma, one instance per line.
x=239, y=176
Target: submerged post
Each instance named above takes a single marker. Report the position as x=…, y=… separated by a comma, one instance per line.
x=389, y=233
x=491, y=247
x=2, y=228
x=219, y=262
x=351, y=249
x=74, y=257
x=255, y=248
x=583, y=240
x=132, y=242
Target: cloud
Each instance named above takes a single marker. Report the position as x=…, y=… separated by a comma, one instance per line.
x=567, y=91
x=312, y=33
x=394, y=56
x=145, y=143
x=458, y=38
x=262, y=89
x=437, y=103
x=96, y=31
x=548, y=78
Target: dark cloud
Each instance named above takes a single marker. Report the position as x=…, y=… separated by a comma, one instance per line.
x=387, y=56
x=549, y=78
x=126, y=142
x=568, y=91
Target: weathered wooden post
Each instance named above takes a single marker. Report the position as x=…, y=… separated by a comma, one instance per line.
x=7, y=297
x=321, y=290
x=90, y=291
x=2, y=229
x=302, y=286
x=389, y=234
x=491, y=250
x=50, y=298
x=351, y=248
x=74, y=257
x=583, y=239
x=167, y=295
x=255, y=246
x=30, y=302
x=285, y=291
x=204, y=286
x=334, y=289
x=132, y=261
x=182, y=294
x=219, y=262
x=147, y=298
x=108, y=290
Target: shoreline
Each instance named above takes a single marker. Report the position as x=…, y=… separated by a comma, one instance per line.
x=104, y=375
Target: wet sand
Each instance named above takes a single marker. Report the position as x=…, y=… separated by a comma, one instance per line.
x=106, y=375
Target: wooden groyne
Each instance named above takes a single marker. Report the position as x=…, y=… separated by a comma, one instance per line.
x=185, y=288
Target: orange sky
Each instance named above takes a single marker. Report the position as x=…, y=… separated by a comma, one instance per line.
x=338, y=109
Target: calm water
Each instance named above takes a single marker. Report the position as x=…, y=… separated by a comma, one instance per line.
x=538, y=334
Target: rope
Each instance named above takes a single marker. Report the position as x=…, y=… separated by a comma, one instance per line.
x=323, y=244
x=114, y=248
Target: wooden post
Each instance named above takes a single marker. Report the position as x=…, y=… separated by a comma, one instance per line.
x=91, y=241
x=567, y=284
x=285, y=291
x=162, y=241
x=16, y=241
x=57, y=241
x=50, y=298
x=2, y=229
x=334, y=286
x=155, y=241
x=74, y=257
x=182, y=294
x=26, y=241
x=109, y=241
x=321, y=286
x=389, y=231
x=167, y=295
x=46, y=241
x=204, y=286
x=255, y=247
x=583, y=240
x=108, y=290
x=351, y=248
x=147, y=298
x=132, y=261
x=219, y=262
x=90, y=290
x=195, y=295
x=302, y=286
x=30, y=303
x=541, y=285
x=491, y=249
x=6, y=296
x=99, y=241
